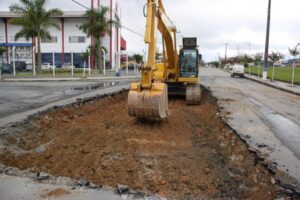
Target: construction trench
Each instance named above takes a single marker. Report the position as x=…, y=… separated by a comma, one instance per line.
x=191, y=155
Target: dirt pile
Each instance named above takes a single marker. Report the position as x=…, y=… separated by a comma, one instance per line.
x=190, y=155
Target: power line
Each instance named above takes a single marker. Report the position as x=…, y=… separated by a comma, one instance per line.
x=132, y=31
x=80, y=4
x=128, y=29
x=132, y=23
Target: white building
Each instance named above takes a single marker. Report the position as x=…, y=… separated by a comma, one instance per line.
x=66, y=40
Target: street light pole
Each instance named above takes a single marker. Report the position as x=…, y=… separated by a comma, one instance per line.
x=226, y=44
x=265, y=71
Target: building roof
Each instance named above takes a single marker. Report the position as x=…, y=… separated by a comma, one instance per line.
x=67, y=14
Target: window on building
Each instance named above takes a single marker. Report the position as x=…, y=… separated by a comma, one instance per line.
x=53, y=39
x=1, y=38
x=77, y=39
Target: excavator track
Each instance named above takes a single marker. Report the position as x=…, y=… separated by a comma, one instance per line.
x=148, y=103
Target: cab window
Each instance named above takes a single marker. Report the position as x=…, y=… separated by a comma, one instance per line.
x=188, y=63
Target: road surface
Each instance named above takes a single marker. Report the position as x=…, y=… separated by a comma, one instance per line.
x=16, y=97
x=267, y=118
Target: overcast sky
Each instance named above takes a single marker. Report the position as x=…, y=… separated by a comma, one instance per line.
x=240, y=23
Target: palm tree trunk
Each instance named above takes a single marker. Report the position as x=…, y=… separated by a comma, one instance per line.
x=100, y=56
x=39, y=64
x=293, y=73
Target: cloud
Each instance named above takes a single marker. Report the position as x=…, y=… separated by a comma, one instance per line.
x=213, y=22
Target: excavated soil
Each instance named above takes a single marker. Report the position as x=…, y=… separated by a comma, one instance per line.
x=191, y=155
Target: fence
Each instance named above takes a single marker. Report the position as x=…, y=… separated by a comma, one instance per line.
x=15, y=63
x=289, y=74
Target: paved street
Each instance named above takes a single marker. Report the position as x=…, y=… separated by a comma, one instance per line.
x=16, y=97
x=267, y=118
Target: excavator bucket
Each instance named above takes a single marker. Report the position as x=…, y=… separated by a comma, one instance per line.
x=148, y=103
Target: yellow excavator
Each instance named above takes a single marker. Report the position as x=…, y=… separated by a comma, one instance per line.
x=175, y=75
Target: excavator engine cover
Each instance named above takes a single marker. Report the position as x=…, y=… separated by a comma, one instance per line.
x=148, y=103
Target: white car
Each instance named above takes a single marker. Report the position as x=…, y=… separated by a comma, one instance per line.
x=238, y=70
x=228, y=67
x=66, y=66
x=47, y=66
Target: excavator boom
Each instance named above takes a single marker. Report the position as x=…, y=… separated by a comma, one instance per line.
x=149, y=97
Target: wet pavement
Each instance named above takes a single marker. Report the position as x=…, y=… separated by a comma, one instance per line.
x=268, y=119
x=16, y=97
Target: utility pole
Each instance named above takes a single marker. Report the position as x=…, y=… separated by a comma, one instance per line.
x=226, y=44
x=249, y=45
x=265, y=71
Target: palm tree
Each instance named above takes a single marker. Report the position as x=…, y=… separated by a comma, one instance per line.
x=97, y=25
x=35, y=21
x=294, y=52
x=2, y=50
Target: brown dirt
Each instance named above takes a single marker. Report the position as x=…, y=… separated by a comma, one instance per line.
x=190, y=155
x=58, y=192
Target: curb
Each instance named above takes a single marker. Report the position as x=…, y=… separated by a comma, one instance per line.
x=67, y=79
x=273, y=86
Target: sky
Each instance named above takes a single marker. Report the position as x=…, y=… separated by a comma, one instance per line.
x=240, y=23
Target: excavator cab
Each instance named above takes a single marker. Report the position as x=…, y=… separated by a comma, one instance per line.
x=189, y=59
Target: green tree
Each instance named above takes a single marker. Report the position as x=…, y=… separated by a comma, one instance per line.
x=138, y=58
x=35, y=21
x=257, y=58
x=247, y=59
x=97, y=25
x=294, y=52
x=2, y=50
x=275, y=56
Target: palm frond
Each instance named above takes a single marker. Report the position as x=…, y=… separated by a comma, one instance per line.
x=17, y=8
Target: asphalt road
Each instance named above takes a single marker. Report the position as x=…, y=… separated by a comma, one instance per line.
x=267, y=118
x=17, y=97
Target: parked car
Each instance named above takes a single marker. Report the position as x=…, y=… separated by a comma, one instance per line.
x=238, y=70
x=46, y=66
x=66, y=66
x=20, y=65
x=29, y=67
x=7, y=69
x=228, y=67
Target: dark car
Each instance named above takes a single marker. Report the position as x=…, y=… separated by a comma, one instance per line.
x=20, y=66
x=7, y=69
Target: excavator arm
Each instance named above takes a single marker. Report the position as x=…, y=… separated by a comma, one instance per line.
x=149, y=98
x=157, y=20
